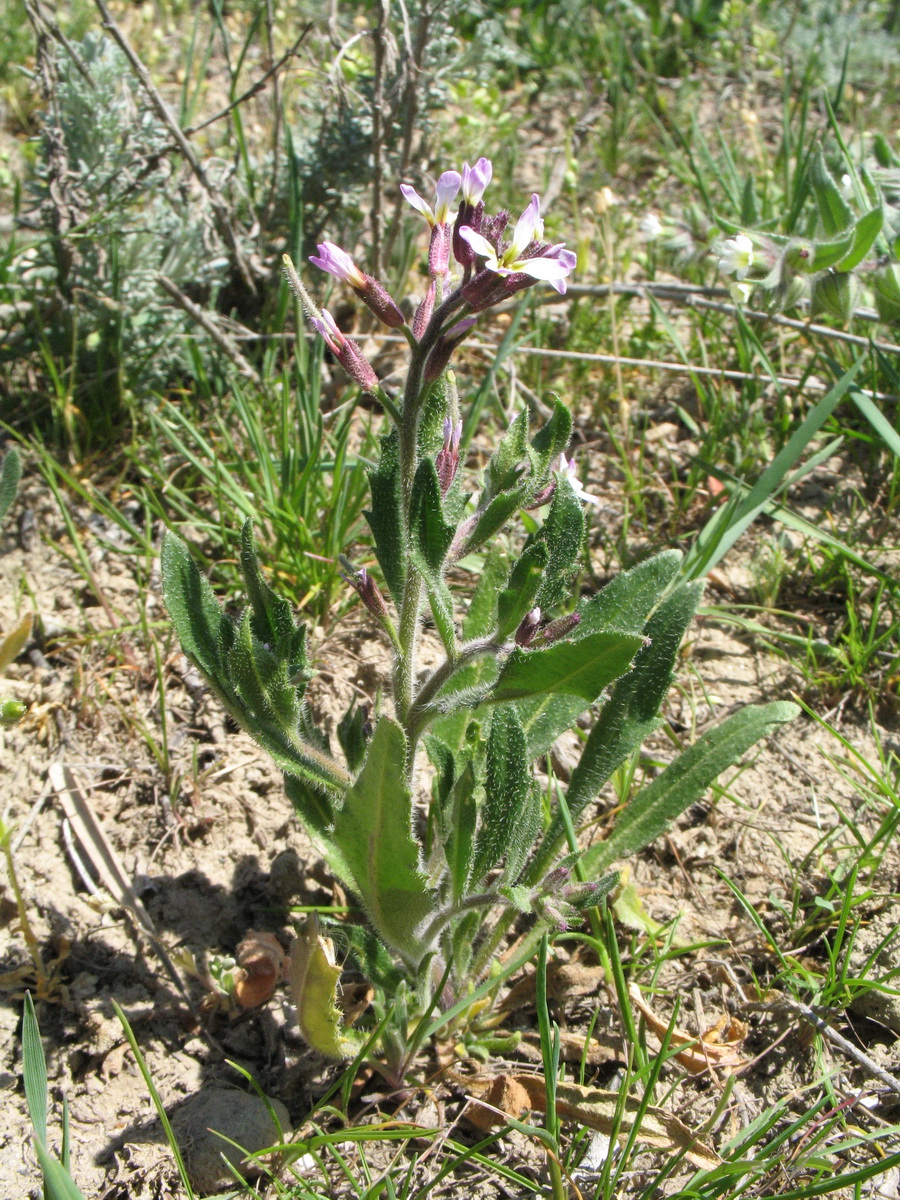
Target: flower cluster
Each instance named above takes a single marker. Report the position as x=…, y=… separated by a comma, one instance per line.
x=472, y=267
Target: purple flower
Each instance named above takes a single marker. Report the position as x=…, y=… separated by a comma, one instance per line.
x=475, y=180
x=447, y=461
x=551, y=265
x=346, y=352
x=337, y=262
x=445, y=193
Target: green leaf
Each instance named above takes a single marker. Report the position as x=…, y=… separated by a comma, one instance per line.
x=834, y=211
x=10, y=477
x=58, y=1183
x=583, y=668
x=273, y=618
x=562, y=533
x=629, y=716
x=826, y=254
x=865, y=232
x=552, y=438
x=261, y=679
x=373, y=831
x=15, y=642
x=749, y=203
x=459, y=832
x=492, y=518
x=440, y=601
x=481, y=615
x=195, y=612
x=34, y=1069
x=386, y=516
x=650, y=813
x=508, y=460
x=631, y=713
x=430, y=534
x=627, y=600
x=508, y=788
x=351, y=734
x=518, y=597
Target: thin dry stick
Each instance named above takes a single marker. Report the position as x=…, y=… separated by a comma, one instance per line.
x=651, y=364
x=838, y=1039
x=697, y=298
x=222, y=215
x=197, y=314
x=378, y=37
x=254, y=88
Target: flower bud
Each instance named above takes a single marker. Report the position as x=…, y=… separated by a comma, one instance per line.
x=346, y=352
x=423, y=313
x=447, y=461
x=560, y=627
x=528, y=628
x=443, y=350
x=366, y=588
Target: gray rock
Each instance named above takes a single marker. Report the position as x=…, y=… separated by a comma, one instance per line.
x=240, y=1116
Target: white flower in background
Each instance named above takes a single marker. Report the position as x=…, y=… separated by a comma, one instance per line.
x=737, y=256
x=650, y=227
x=846, y=187
x=566, y=469
x=740, y=292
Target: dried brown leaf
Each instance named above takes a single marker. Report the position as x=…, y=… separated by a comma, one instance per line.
x=718, y=1047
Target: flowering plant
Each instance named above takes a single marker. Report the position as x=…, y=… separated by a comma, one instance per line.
x=432, y=814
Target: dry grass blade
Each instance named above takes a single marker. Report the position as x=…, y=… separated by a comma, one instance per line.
x=95, y=845
x=717, y=1048
x=594, y=1108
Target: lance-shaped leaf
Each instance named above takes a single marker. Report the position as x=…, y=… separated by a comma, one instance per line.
x=459, y=832
x=481, y=614
x=195, y=612
x=373, y=831
x=628, y=717
x=430, y=534
x=249, y=681
x=273, y=619
x=493, y=517
x=630, y=714
x=834, y=211
x=562, y=533
x=508, y=460
x=628, y=599
x=10, y=475
x=579, y=668
x=650, y=813
x=386, y=515
x=623, y=605
x=508, y=789
x=865, y=232
x=551, y=439
x=519, y=595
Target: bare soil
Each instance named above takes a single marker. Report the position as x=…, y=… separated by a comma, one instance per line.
x=213, y=851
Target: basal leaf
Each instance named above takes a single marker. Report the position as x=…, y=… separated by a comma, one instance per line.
x=373, y=831
x=650, y=813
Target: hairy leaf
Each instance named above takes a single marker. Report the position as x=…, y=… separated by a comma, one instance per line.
x=508, y=789
x=373, y=831
x=431, y=535
x=650, y=813
x=10, y=476
x=578, y=668
x=562, y=533
x=386, y=515
x=519, y=595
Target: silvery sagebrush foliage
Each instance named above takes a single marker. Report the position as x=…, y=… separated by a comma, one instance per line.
x=442, y=869
x=134, y=215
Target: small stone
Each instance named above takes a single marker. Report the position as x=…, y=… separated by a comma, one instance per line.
x=240, y=1116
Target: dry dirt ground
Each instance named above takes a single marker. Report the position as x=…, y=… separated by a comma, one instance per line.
x=227, y=857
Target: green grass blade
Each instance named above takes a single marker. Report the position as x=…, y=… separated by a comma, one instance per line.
x=34, y=1070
